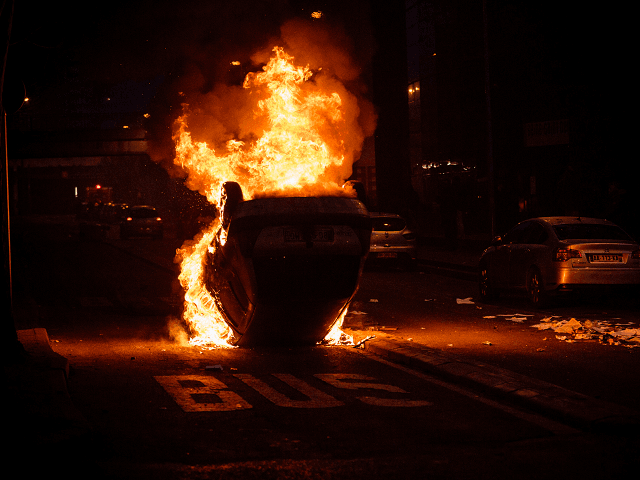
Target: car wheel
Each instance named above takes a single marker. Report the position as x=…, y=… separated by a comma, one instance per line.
x=487, y=292
x=535, y=288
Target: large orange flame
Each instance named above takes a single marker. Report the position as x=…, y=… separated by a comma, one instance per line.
x=301, y=144
x=300, y=150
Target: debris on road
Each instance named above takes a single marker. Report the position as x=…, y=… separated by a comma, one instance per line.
x=360, y=344
x=465, y=301
x=602, y=331
x=572, y=329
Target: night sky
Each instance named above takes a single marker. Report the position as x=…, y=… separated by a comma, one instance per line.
x=151, y=56
x=137, y=41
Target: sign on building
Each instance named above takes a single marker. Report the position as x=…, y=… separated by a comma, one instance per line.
x=552, y=132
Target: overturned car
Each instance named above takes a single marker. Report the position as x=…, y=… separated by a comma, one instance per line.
x=284, y=269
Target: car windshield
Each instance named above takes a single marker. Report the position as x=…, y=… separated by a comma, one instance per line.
x=142, y=213
x=388, y=224
x=590, y=232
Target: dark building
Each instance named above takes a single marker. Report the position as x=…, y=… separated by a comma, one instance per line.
x=538, y=114
x=554, y=140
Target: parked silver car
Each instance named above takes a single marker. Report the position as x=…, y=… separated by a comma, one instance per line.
x=550, y=255
x=392, y=239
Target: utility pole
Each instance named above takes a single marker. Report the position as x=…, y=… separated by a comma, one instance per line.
x=487, y=95
x=10, y=342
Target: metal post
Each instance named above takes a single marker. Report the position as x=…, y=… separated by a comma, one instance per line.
x=10, y=343
x=487, y=94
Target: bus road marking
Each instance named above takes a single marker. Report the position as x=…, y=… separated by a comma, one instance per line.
x=205, y=393
x=186, y=390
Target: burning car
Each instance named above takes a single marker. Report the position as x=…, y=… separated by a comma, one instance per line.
x=283, y=262
x=284, y=269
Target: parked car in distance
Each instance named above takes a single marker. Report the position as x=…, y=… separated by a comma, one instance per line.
x=113, y=212
x=140, y=221
x=283, y=270
x=551, y=255
x=392, y=240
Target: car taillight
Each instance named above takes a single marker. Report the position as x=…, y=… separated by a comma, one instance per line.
x=158, y=219
x=564, y=254
x=129, y=219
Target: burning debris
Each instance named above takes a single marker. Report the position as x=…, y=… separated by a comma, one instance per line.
x=288, y=264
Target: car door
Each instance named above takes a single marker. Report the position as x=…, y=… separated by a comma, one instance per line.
x=501, y=270
x=522, y=253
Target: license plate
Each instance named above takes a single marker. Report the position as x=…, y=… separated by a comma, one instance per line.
x=387, y=255
x=318, y=235
x=606, y=258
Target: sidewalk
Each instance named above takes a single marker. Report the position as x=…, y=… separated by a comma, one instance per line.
x=41, y=415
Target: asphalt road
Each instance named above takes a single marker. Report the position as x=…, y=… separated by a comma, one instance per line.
x=443, y=313
x=161, y=409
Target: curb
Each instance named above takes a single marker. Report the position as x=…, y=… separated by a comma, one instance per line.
x=37, y=344
x=37, y=388
x=581, y=411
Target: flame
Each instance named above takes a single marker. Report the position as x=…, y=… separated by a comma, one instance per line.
x=301, y=143
x=336, y=336
x=300, y=150
x=200, y=307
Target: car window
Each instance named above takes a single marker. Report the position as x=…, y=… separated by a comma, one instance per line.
x=388, y=224
x=516, y=234
x=142, y=213
x=534, y=234
x=590, y=231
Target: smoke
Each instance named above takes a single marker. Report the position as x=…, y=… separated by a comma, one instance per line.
x=221, y=112
x=177, y=332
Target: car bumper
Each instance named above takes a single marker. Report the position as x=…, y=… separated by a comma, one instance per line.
x=568, y=277
x=392, y=252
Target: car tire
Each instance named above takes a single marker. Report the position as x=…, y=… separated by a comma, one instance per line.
x=535, y=288
x=487, y=291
